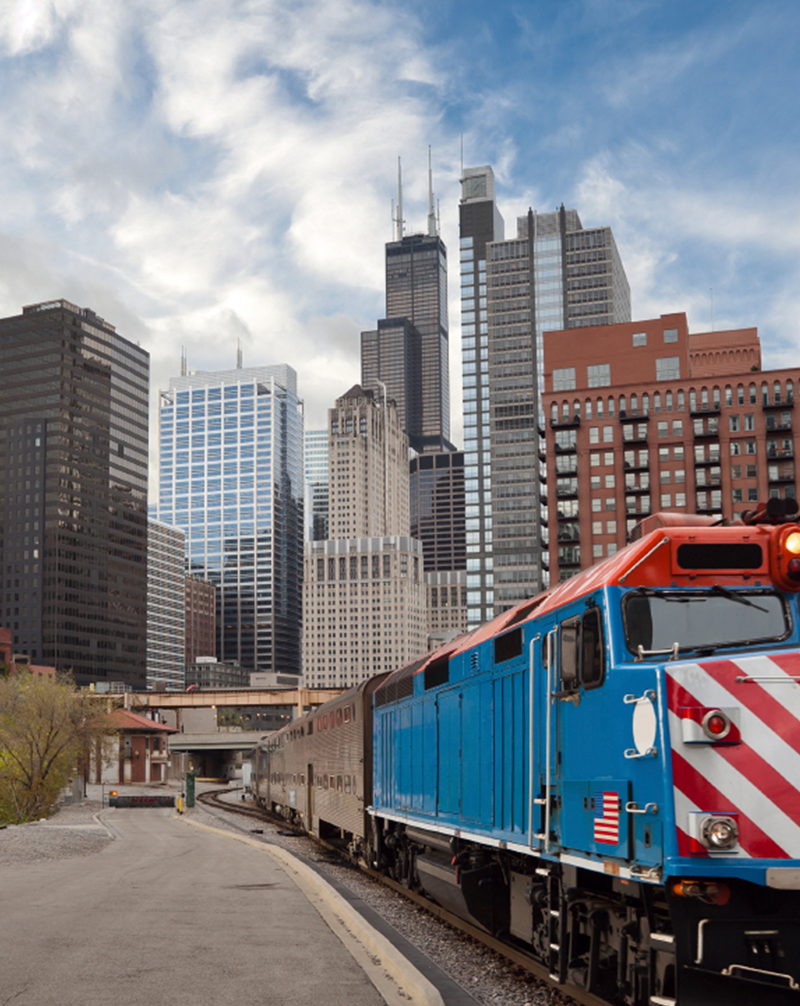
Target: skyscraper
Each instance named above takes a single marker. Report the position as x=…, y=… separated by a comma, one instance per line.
x=368, y=452
x=231, y=466
x=438, y=521
x=166, y=607
x=73, y=492
x=315, y=461
x=409, y=350
x=555, y=274
x=391, y=357
x=364, y=591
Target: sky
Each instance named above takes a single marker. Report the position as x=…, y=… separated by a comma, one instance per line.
x=200, y=172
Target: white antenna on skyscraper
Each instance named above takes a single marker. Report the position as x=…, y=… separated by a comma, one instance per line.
x=239, y=355
x=183, y=361
x=432, y=227
x=400, y=222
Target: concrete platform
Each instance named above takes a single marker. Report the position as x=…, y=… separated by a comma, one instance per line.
x=180, y=913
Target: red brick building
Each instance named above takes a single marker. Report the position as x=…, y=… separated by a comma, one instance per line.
x=16, y=662
x=645, y=416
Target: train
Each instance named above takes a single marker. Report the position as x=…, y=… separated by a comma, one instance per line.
x=607, y=774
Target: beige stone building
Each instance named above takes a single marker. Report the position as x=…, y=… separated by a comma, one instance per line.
x=364, y=610
x=364, y=605
x=368, y=468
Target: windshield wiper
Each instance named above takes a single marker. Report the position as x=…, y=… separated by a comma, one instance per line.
x=735, y=596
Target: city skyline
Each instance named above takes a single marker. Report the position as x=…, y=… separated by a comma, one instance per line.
x=147, y=182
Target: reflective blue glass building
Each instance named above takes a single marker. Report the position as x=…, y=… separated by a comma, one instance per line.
x=231, y=477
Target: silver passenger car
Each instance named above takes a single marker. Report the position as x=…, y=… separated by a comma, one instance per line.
x=317, y=772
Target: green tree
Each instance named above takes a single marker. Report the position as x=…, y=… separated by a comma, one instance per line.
x=46, y=726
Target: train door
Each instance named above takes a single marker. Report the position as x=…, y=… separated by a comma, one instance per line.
x=543, y=829
x=448, y=706
x=139, y=759
x=592, y=800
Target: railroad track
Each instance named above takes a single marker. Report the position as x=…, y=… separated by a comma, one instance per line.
x=511, y=954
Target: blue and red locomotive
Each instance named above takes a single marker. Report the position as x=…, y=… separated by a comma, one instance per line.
x=608, y=773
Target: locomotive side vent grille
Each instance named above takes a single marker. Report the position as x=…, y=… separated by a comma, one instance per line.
x=399, y=685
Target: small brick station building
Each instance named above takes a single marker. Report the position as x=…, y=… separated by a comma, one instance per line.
x=143, y=750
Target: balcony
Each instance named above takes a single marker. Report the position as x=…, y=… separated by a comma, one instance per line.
x=778, y=479
x=778, y=405
x=780, y=453
x=705, y=410
x=568, y=448
x=638, y=514
x=566, y=515
x=715, y=483
x=637, y=488
x=568, y=562
x=713, y=460
x=625, y=416
x=706, y=432
x=567, y=533
x=777, y=427
x=566, y=492
x=565, y=424
x=634, y=466
x=631, y=436
x=572, y=470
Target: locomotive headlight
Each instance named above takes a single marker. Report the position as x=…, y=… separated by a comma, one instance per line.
x=720, y=833
x=792, y=543
x=785, y=557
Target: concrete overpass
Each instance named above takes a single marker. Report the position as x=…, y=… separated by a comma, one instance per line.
x=303, y=699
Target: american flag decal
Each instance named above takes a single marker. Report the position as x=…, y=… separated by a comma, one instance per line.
x=606, y=826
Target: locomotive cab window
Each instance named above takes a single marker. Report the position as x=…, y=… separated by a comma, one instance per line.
x=582, y=653
x=570, y=630
x=667, y=622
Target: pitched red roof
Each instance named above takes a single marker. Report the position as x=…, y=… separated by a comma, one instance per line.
x=124, y=719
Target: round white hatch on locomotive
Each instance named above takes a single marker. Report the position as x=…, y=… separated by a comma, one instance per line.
x=644, y=725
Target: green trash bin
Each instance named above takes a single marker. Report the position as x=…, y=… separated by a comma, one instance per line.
x=190, y=789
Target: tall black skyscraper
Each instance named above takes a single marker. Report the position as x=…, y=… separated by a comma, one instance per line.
x=416, y=294
x=73, y=492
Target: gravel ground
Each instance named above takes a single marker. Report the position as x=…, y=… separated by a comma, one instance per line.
x=75, y=831
x=72, y=831
x=491, y=980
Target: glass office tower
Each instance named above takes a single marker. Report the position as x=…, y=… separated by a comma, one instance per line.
x=317, y=484
x=555, y=274
x=73, y=492
x=231, y=468
x=480, y=223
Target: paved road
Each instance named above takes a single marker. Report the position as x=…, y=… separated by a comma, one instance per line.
x=168, y=914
